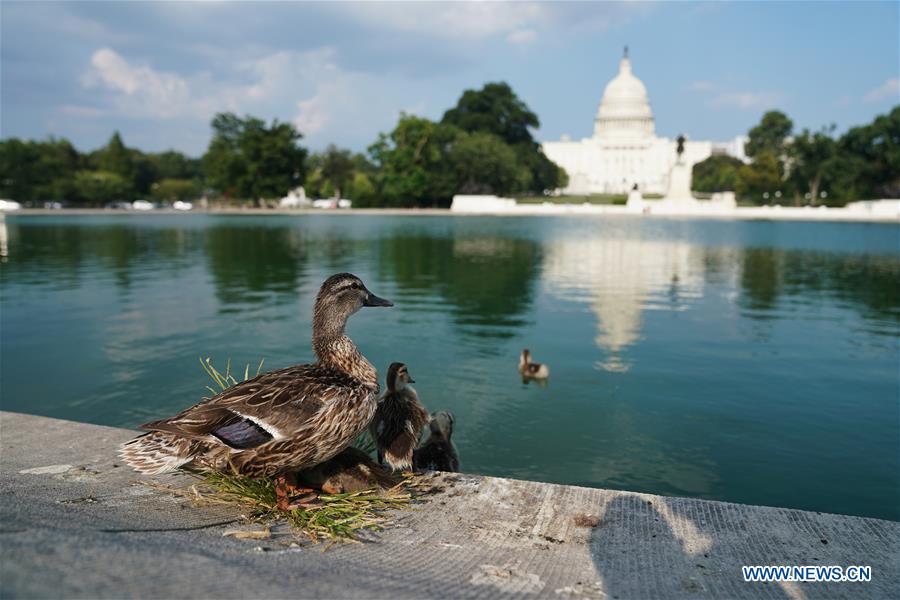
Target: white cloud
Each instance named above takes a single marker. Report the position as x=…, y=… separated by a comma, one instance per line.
x=521, y=37
x=889, y=90
x=137, y=90
x=746, y=100
x=742, y=100
x=313, y=114
x=308, y=88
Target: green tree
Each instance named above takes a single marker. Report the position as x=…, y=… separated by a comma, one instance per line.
x=248, y=159
x=541, y=174
x=314, y=180
x=144, y=172
x=496, y=109
x=412, y=164
x=764, y=175
x=811, y=159
x=137, y=169
x=718, y=173
x=170, y=190
x=100, y=187
x=17, y=169
x=361, y=190
x=337, y=167
x=867, y=161
x=116, y=158
x=175, y=165
x=769, y=135
x=483, y=164
x=37, y=171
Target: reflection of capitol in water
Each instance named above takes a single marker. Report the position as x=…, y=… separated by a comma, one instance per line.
x=620, y=278
x=4, y=237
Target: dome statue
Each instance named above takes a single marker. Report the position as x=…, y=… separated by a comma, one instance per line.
x=625, y=109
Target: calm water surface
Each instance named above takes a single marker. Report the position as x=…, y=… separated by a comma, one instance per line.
x=752, y=362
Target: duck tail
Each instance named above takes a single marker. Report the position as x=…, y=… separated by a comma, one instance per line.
x=158, y=452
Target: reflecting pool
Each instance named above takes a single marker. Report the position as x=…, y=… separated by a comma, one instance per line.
x=753, y=362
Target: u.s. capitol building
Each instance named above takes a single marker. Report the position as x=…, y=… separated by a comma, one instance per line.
x=624, y=149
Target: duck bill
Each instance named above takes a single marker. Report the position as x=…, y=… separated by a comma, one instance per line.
x=373, y=300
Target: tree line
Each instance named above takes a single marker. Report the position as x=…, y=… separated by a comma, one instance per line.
x=53, y=170
x=482, y=145
x=809, y=167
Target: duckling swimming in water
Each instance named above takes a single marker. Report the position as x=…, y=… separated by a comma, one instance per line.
x=438, y=453
x=532, y=370
x=399, y=419
x=278, y=422
x=350, y=471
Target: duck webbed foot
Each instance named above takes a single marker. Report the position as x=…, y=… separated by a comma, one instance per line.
x=290, y=496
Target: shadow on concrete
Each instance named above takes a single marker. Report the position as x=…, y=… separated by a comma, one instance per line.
x=638, y=541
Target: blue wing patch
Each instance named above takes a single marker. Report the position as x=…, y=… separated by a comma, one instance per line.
x=243, y=434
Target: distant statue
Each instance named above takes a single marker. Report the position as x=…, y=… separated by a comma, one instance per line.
x=626, y=52
x=680, y=149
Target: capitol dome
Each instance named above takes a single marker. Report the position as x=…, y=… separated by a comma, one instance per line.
x=624, y=111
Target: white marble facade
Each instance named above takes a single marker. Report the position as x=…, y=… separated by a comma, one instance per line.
x=624, y=149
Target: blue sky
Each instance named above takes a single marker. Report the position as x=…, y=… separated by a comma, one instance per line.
x=342, y=72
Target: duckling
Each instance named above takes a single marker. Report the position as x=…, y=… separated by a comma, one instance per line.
x=532, y=370
x=282, y=421
x=399, y=419
x=350, y=471
x=438, y=453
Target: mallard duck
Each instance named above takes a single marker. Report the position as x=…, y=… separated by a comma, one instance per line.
x=399, y=419
x=350, y=471
x=532, y=370
x=438, y=452
x=281, y=421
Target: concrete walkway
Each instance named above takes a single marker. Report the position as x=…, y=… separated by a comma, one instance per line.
x=74, y=524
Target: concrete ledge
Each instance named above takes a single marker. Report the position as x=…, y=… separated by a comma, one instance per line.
x=73, y=524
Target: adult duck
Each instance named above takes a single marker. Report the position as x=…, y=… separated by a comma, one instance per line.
x=282, y=421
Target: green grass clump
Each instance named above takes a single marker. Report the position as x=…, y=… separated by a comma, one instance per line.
x=336, y=517
x=227, y=379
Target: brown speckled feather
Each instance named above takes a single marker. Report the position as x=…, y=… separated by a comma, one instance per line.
x=311, y=411
x=284, y=400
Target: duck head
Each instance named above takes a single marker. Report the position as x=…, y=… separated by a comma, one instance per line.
x=398, y=377
x=524, y=358
x=339, y=297
x=441, y=424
